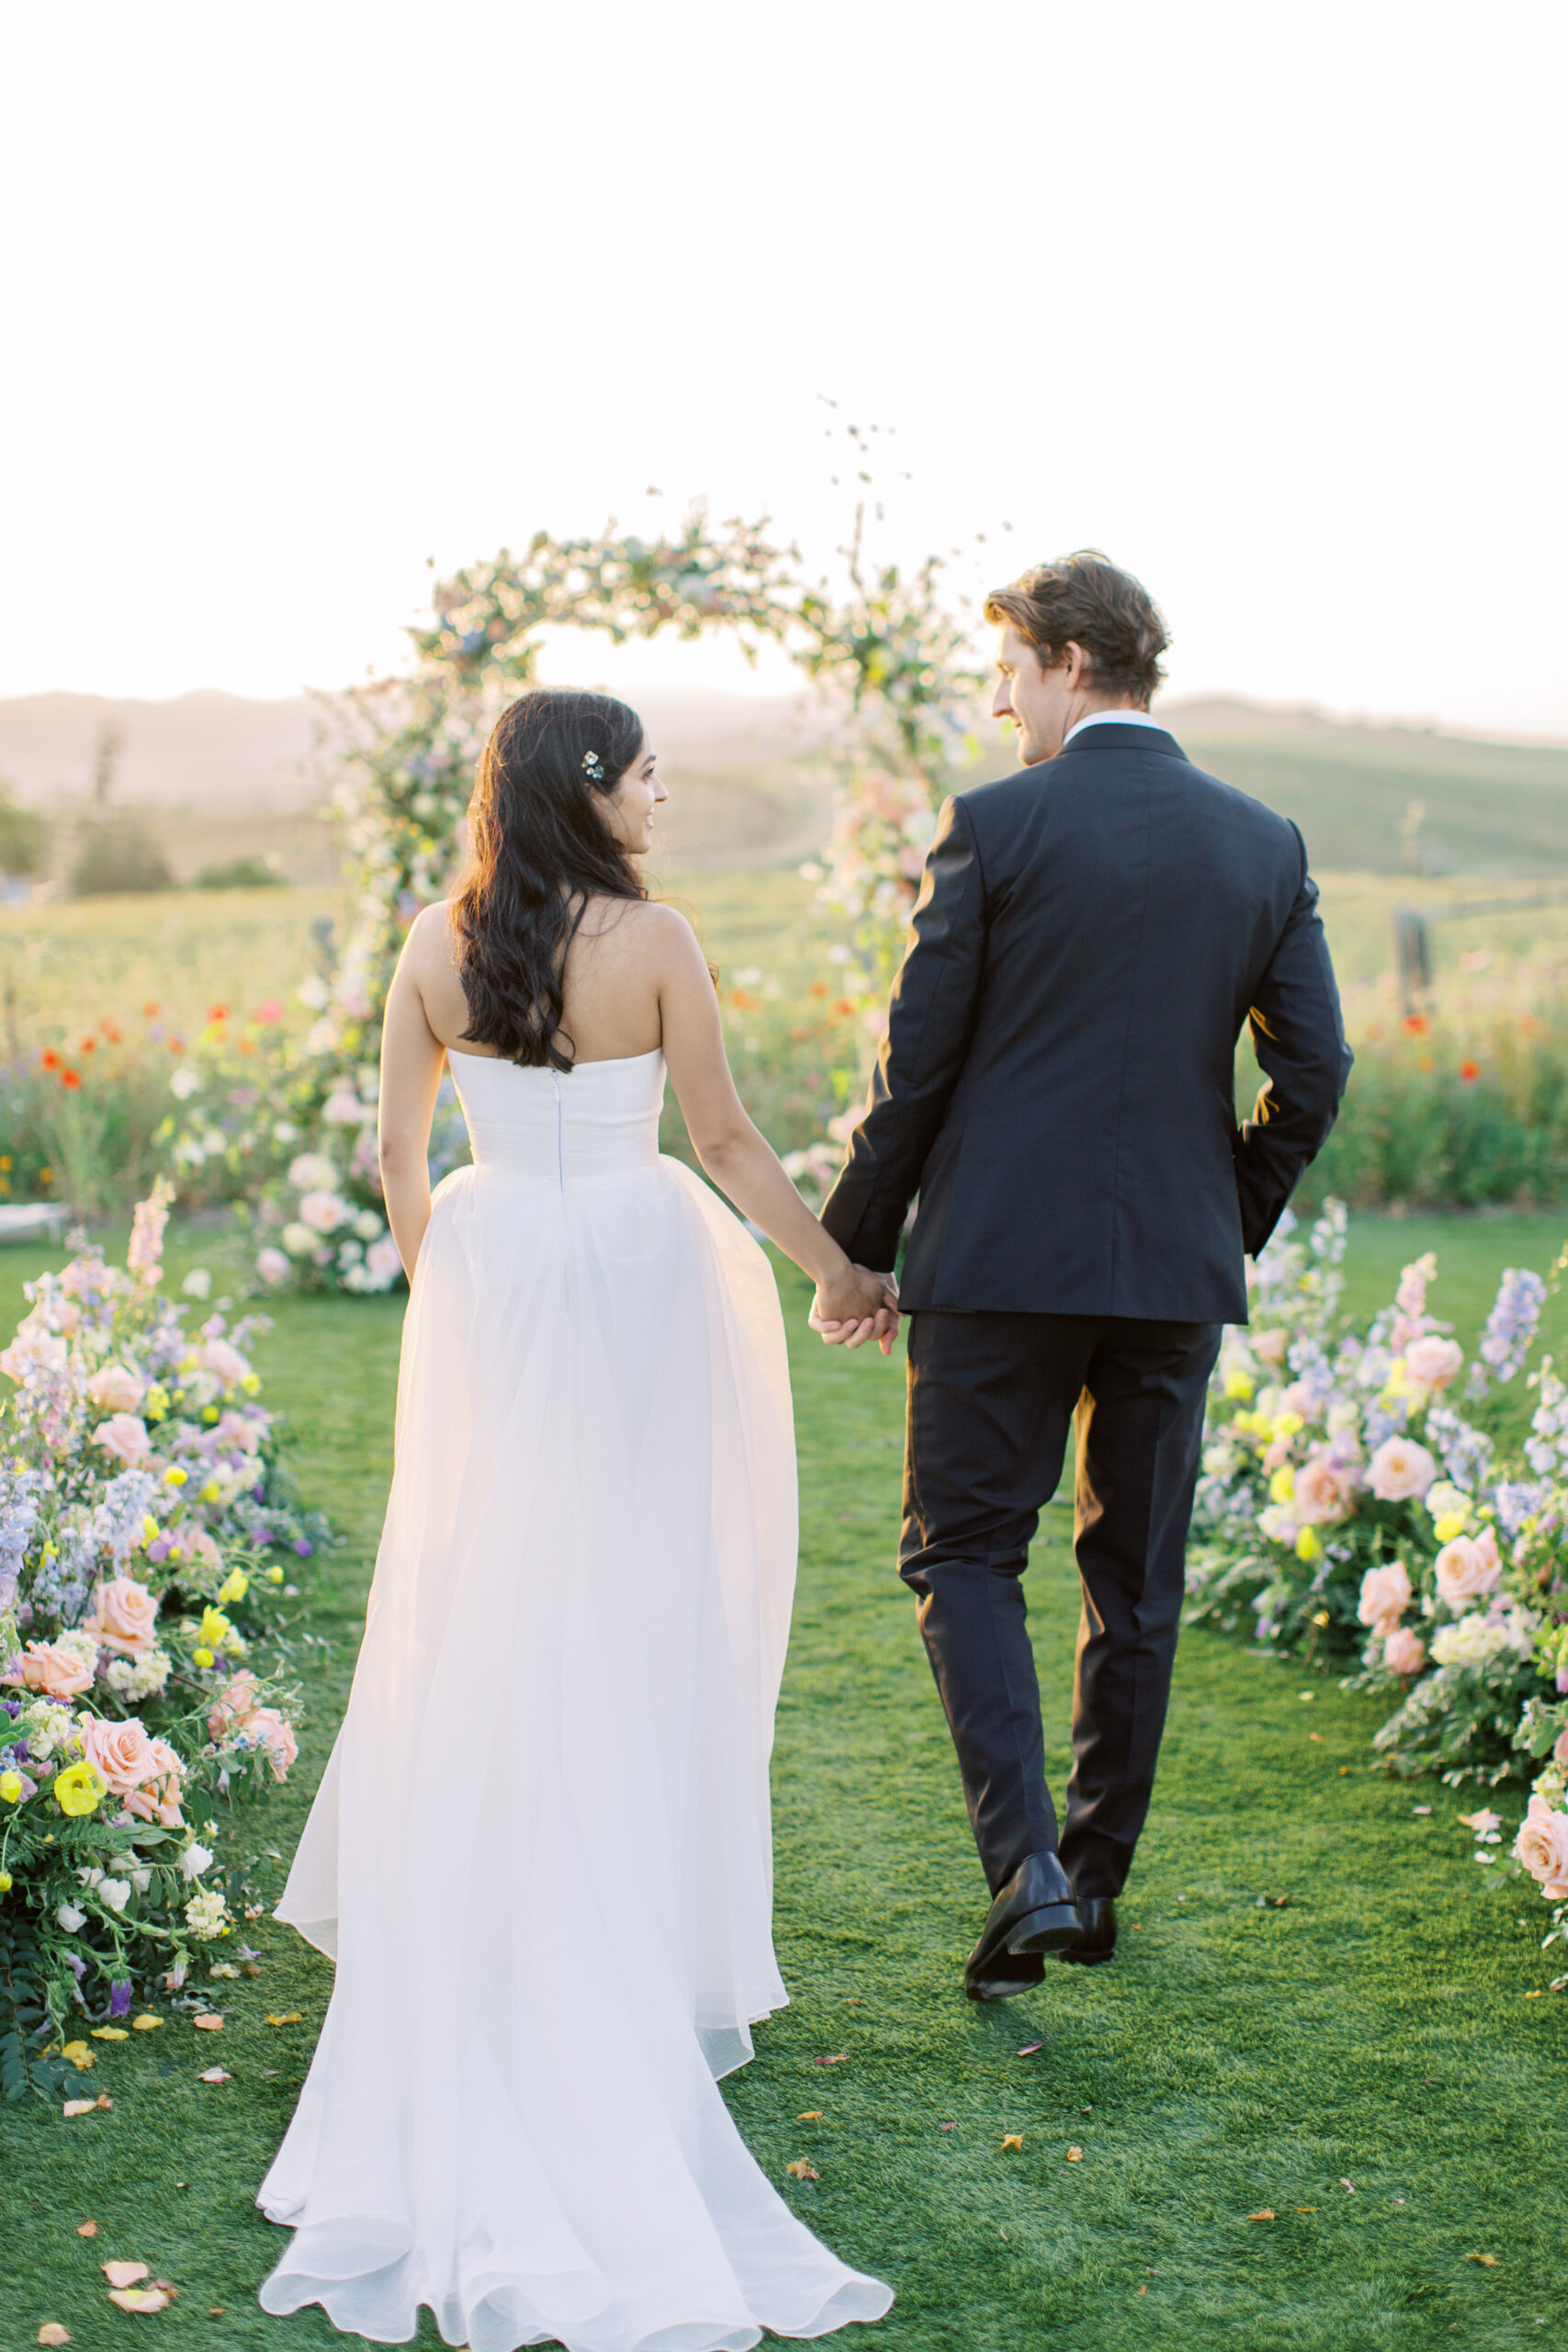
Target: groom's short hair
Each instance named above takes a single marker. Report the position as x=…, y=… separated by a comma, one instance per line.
x=1084, y=600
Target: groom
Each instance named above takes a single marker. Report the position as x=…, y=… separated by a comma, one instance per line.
x=1057, y=1087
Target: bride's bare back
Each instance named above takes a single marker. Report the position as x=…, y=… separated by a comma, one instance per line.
x=610, y=989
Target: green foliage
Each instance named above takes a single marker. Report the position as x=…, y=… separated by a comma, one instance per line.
x=25, y=2022
x=118, y=857
x=241, y=874
x=24, y=836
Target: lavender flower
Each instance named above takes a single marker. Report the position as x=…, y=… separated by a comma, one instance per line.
x=119, y=1997
x=1465, y=1453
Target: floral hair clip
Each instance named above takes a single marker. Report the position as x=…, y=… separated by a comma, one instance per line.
x=594, y=767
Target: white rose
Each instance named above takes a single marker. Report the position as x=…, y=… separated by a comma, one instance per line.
x=297, y=1239
x=70, y=1919
x=184, y=1082
x=195, y=1858
x=368, y=1225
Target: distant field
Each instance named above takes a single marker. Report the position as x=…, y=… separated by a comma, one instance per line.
x=68, y=963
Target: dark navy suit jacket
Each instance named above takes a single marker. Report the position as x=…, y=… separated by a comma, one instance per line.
x=1058, y=1081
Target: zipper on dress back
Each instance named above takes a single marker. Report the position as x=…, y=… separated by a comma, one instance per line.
x=561, y=1146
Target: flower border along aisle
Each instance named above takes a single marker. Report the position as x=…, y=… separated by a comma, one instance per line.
x=1348, y=1505
x=143, y=1617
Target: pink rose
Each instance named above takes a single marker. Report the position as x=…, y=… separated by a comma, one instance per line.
x=1559, y=1751
x=57, y=1672
x=1269, y=1346
x=1432, y=1360
x=382, y=1259
x=275, y=1734
x=273, y=1266
x=1465, y=1570
x=157, y=1798
x=1404, y=1651
x=234, y=1705
x=126, y=1438
x=1386, y=1594
x=1300, y=1398
x=115, y=1390
x=1323, y=1492
x=1400, y=1471
x=125, y=1616
x=237, y=1433
x=226, y=1361
x=122, y=1752
x=1542, y=1846
x=323, y=1211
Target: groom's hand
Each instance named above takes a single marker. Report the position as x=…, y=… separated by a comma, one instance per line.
x=859, y=1305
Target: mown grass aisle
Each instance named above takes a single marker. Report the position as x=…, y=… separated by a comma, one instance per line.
x=1242, y=2055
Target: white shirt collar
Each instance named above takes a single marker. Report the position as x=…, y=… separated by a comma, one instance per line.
x=1113, y=718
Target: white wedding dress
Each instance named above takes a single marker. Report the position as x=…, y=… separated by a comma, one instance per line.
x=540, y=1855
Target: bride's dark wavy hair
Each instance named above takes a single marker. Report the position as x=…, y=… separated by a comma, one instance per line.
x=540, y=848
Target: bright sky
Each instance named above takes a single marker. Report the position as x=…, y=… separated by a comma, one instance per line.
x=1264, y=302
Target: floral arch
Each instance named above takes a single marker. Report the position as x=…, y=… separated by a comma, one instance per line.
x=895, y=657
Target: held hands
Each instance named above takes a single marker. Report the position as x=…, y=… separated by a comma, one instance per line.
x=854, y=1307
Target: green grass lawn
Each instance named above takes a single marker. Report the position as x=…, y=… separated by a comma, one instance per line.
x=1360, y=2059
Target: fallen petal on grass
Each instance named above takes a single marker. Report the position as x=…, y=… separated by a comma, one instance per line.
x=147, y=2024
x=1347, y=2185
x=125, y=2274
x=289, y=2016
x=210, y=2022
x=81, y=2057
x=79, y=2106
x=86, y=2229
x=141, y=2298
x=1031, y=2048
x=836, y=2060
x=110, y=2033
x=1075, y=2155
x=1488, y=2261
x=1013, y=2139
x=52, y=2332
x=812, y=2115
x=214, y=2074
x=802, y=2168
x=1264, y=2213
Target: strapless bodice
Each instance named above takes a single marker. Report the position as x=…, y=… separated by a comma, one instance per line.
x=558, y=1127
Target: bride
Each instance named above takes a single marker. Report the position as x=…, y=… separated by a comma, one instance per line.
x=540, y=1855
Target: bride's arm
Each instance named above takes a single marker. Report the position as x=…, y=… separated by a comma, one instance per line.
x=412, y=1056
x=733, y=1151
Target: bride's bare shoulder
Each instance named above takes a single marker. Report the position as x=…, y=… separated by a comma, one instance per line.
x=643, y=928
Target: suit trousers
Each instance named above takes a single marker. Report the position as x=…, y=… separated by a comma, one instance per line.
x=991, y=1399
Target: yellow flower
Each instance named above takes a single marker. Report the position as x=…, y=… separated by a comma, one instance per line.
x=214, y=1627
x=210, y=1412
x=149, y=1531
x=274, y=1575
x=1308, y=1547
x=1450, y=1524
x=80, y=1789
x=234, y=1643
x=203, y=1656
x=1238, y=1385
x=1282, y=1484
x=234, y=1587
x=155, y=1403
x=174, y=1477
x=1286, y=1425
x=11, y=1787
x=250, y=1384
x=4, y=1882
x=210, y=1492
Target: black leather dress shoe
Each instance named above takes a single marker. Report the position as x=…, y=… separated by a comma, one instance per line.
x=1098, y=1913
x=1033, y=1913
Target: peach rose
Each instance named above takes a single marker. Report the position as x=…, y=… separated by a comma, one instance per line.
x=1269, y=1346
x=115, y=1390
x=35, y=1348
x=1400, y=1471
x=234, y=1705
x=125, y=1616
x=1467, y=1571
x=55, y=1671
x=126, y=1438
x=122, y=1752
x=1404, y=1651
x=1386, y=1594
x=1542, y=1846
x=1433, y=1361
x=275, y=1734
x=1322, y=1492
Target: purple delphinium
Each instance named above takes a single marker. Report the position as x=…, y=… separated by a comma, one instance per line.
x=119, y=1997
x=1510, y=1329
